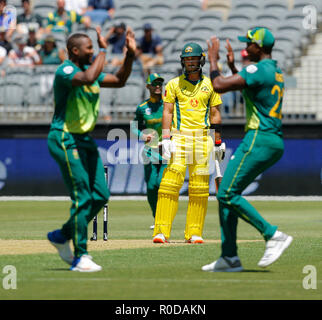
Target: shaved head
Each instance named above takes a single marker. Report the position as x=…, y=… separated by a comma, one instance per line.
x=75, y=40
x=80, y=48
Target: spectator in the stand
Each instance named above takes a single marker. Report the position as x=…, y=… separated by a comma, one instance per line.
x=50, y=54
x=23, y=56
x=3, y=41
x=100, y=10
x=79, y=6
x=62, y=20
x=32, y=39
x=150, y=49
x=116, y=37
x=29, y=20
x=7, y=20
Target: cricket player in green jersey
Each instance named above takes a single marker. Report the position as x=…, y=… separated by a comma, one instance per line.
x=262, y=85
x=76, y=91
x=147, y=125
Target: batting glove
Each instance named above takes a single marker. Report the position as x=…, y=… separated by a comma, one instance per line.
x=168, y=147
x=220, y=150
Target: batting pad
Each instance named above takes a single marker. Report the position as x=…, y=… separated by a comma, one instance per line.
x=168, y=197
x=197, y=207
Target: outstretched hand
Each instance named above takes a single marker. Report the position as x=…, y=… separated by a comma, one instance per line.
x=130, y=42
x=100, y=39
x=213, y=49
x=230, y=54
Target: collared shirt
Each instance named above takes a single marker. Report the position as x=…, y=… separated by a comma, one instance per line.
x=76, y=107
x=192, y=102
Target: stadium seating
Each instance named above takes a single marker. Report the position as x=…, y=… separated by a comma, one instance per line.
x=176, y=22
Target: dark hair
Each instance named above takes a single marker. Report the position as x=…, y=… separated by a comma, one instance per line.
x=73, y=41
x=267, y=50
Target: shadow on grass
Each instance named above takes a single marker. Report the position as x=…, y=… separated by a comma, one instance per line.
x=251, y=270
x=57, y=269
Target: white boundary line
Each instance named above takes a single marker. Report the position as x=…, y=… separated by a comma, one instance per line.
x=143, y=198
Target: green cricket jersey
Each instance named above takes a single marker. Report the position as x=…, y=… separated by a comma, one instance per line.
x=148, y=115
x=76, y=107
x=264, y=96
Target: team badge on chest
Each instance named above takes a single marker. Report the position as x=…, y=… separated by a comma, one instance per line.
x=194, y=103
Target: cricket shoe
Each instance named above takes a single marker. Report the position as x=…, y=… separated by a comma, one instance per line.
x=152, y=227
x=159, y=238
x=85, y=264
x=195, y=239
x=62, y=245
x=274, y=248
x=224, y=264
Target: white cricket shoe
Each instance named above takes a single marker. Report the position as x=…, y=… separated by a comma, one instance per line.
x=159, y=238
x=85, y=264
x=195, y=239
x=62, y=245
x=224, y=264
x=274, y=248
x=152, y=227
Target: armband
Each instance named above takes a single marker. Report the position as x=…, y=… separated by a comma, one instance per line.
x=214, y=74
x=103, y=50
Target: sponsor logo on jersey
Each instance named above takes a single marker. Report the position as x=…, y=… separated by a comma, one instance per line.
x=205, y=89
x=148, y=111
x=251, y=68
x=68, y=69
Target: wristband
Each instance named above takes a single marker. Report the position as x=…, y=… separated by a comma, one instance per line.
x=166, y=136
x=214, y=74
x=216, y=126
x=103, y=50
x=130, y=55
x=218, y=143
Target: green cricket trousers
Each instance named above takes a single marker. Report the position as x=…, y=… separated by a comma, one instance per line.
x=83, y=173
x=257, y=152
x=153, y=172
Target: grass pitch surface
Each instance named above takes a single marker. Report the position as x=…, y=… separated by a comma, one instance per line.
x=136, y=269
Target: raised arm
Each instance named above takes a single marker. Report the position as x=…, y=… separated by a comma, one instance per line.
x=89, y=76
x=119, y=79
x=220, y=83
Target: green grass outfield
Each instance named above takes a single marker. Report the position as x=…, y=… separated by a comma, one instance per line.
x=162, y=272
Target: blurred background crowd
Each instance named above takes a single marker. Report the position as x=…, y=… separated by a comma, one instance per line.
x=33, y=36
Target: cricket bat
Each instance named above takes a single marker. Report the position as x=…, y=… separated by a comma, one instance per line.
x=218, y=177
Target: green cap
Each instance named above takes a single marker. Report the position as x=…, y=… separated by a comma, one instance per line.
x=152, y=77
x=192, y=49
x=262, y=36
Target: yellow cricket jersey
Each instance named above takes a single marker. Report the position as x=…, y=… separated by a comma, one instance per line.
x=192, y=102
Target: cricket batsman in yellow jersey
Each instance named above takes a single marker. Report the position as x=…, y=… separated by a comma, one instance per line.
x=191, y=109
